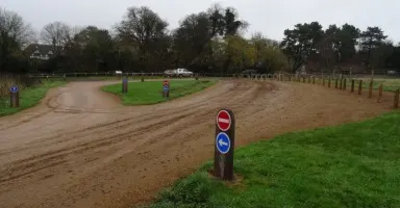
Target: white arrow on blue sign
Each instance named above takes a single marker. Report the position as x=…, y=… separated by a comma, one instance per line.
x=223, y=143
x=166, y=88
x=14, y=89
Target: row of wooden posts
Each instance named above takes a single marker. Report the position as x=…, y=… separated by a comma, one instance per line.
x=340, y=83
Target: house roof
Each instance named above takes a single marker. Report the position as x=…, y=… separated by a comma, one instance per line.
x=41, y=49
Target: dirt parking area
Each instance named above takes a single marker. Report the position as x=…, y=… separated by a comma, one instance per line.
x=81, y=148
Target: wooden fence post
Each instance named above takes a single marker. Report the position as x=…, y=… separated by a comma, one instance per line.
x=396, y=98
x=380, y=93
x=336, y=83
x=360, y=87
x=329, y=82
x=341, y=83
x=352, y=85
x=370, y=89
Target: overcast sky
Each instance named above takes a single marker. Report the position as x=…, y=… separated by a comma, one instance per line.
x=271, y=17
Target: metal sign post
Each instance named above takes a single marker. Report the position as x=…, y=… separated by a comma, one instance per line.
x=124, y=85
x=14, y=96
x=224, y=144
x=166, y=89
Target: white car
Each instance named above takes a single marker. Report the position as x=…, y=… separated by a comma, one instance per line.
x=180, y=72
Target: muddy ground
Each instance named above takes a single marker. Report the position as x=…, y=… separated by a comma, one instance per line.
x=81, y=148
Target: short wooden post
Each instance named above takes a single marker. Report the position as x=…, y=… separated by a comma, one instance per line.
x=380, y=89
x=370, y=89
x=329, y=82
x=352, y=85
x=336, y=83
x=359, y=87
x=396, y=98
x=341, y=83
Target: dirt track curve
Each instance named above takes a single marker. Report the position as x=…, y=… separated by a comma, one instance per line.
x=81, y=148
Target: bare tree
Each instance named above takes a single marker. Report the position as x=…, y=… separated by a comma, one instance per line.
x=14, y=35
x=56, y=33
x=13, y=26
x=143, y=29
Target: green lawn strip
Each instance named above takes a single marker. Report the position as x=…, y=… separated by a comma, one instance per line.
x=144, y=93
x=353, y=165
x=29, y=97
x=103, y=78
x=389, y=85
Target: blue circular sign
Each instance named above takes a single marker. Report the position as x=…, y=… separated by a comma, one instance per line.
x=223, y=143
x=166, y=88
x=124, y=80
x=14, y=89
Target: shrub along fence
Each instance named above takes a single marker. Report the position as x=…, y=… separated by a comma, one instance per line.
x=22, y=80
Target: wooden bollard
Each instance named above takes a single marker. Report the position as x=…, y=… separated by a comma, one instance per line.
x=359, y=87
x=370, y=89
x=352, y=85
x=341, y=83
x=396, y=98
x=329, y=82
x=14, y=96
x=380, y=89
x=336, y=83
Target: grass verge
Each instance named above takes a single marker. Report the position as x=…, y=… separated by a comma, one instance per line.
x=144, y=93
x=389, y=85
x=29, y=97
x=353, y=165
x=104, y=78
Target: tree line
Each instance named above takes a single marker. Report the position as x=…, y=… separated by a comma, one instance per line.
x=211, y=41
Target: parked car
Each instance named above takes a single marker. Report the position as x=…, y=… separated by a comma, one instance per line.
x=168, y=73
x=392, y=72
x=180, y=72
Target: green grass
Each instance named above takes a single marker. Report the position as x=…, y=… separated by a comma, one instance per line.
x=144, y=93
x=103, y=78
x=353, y=165
x=29, y=97
x=389, y=85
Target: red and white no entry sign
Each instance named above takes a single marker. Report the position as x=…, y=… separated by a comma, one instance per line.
x=224, y=120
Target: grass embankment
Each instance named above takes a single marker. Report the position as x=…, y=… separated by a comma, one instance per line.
x=354, y=165
x=389, y=85
x=29, y=97
x=144, y=93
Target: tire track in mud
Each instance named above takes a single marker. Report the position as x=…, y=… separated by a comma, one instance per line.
x=123, y=155
x=110, y=138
